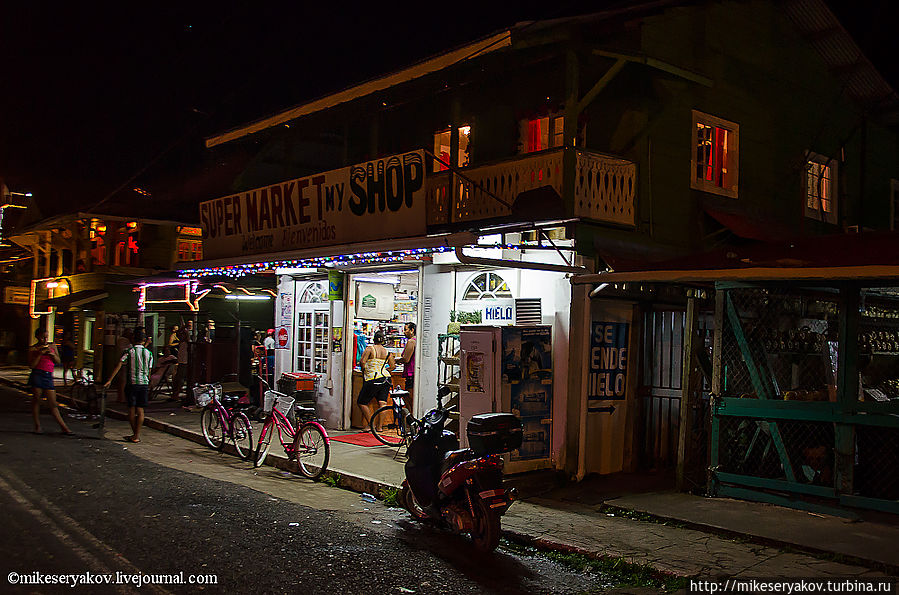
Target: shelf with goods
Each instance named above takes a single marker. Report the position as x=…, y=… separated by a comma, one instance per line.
x=448, y=371
x=783, y=347
x=878, y=347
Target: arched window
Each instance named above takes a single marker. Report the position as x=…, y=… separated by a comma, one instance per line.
x=487, y=286
x=314, y=293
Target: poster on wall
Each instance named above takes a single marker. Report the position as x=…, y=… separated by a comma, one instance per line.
x=378, y=199
x=336, y=339
x=474, y=377
x=285, y=309
x=527, y=366
x=607, y=379
x=374, y=301
x=335, y=285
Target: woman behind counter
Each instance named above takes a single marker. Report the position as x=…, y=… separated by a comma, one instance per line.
x=376, y=364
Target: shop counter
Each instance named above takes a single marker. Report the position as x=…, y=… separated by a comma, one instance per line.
x=356, y=420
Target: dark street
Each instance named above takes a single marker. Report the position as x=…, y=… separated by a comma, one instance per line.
x=77, y=505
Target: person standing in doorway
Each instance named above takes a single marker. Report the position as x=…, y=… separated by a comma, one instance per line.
x=67, y=355
x=172, y=344
x=138, y=362
x=42, y=358
x=269, y=344
x=184, y=337
x=376, y=364
x=123, y=344
x=408, y=359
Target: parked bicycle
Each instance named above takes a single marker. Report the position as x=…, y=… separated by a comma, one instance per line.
x=86, y=395
x=394, y=425
x=222, y=419
x=307, y=442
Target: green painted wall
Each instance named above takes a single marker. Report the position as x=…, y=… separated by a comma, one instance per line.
x=766, y=78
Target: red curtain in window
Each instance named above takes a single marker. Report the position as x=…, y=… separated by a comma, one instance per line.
x=720, y=155
x=534, y=136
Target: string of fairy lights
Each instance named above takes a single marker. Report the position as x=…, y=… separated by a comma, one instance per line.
x=235, y=271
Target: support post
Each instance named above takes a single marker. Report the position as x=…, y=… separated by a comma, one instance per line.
x=847, y=388
x=569, y=130
x=688, y=394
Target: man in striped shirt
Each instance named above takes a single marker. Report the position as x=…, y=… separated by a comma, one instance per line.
x=138, y=362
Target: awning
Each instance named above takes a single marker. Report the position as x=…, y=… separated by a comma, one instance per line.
x=841, y=257
x=391, y=245
x=73, y=300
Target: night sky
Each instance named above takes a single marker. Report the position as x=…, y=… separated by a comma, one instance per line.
x=94, y=93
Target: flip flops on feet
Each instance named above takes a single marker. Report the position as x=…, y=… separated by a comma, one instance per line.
x=67, y=432
x=131, y=439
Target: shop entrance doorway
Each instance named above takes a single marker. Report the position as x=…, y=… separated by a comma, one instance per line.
x=379, y=301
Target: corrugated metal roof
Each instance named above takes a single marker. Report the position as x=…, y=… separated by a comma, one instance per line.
x=821, y=28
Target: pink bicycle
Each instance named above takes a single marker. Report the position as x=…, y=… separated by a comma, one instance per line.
x=307, y=442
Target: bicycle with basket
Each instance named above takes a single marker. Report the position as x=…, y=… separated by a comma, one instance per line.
x=223, y=417
x=300, y=433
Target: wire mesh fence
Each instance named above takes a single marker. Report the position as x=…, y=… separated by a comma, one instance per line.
x=782, y=344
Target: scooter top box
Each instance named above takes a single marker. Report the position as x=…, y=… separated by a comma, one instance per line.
x=493, y=433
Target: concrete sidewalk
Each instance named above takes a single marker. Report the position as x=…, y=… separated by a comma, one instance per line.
x=711, y=537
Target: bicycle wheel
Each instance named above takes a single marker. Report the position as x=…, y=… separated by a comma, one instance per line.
x=213, y=431
x=242, y=435
x=312, y=450
x=91, y=398
x=387, y=427
x=411, y=426
x=77, y=395
x=265, y=442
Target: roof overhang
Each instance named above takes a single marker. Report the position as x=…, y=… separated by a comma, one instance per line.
x=748, y=274
x=79, y=298
x=443, y=61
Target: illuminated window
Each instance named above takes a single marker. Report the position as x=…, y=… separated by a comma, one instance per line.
x=97, y=234
x=487, y=286
x=544, y=133
x=190, y=250
x=715, y=158
x=126, y=253
x=443, y=147
x=820, y=188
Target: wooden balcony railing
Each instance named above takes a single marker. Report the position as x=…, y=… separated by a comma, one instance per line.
x=604, y=188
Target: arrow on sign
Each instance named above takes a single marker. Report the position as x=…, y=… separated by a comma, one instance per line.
x=609, y=409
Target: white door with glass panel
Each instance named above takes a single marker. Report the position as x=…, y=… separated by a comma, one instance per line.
x=312, y=328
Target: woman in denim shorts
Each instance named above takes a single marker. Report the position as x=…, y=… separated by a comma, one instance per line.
x=43, y=358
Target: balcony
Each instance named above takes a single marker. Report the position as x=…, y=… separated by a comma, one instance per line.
x=604, y=189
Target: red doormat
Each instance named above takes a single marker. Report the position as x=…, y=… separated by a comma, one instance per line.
x=364, y=439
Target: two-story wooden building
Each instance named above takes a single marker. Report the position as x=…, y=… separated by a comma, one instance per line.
x=82, y=271
x=493, y=172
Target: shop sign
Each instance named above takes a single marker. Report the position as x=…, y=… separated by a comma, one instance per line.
x=374, y=301
x=335, y=285
x=282, y=338
x=495, y=312
x=376, y=200
x=608, y=361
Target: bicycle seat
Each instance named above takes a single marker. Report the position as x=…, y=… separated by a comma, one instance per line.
x=454, y=457
x=229, y=401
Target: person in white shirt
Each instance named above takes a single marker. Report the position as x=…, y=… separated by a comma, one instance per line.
x=138, y=362
x=269, y=344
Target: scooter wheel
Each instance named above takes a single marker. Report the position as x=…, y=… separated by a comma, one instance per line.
x=487, y=527
x=410, y=504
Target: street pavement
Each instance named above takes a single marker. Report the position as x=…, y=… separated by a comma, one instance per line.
x=167, y=506
x=703, y=544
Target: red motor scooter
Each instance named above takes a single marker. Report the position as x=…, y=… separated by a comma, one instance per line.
x=461, y=489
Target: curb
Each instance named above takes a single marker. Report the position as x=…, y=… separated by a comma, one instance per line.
x=361, y=484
